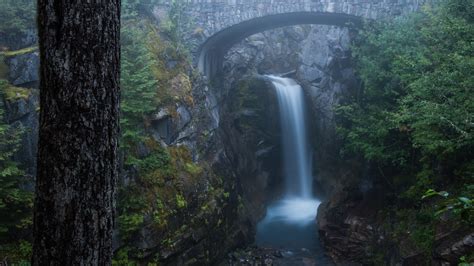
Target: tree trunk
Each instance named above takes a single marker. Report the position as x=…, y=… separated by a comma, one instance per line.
x=79, y=127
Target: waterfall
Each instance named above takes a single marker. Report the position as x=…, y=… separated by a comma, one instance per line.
x=290, y=221
x=296, y=156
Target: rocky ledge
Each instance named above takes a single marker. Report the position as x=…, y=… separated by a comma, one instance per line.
x=355, y=231
x=271, y=256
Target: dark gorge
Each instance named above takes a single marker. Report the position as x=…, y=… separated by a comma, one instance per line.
x=269, y=133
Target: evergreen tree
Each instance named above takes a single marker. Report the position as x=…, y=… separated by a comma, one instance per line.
x=16, y=17
x=139, y=86
x=414, y=118
x=418, y=80
x=15, y=202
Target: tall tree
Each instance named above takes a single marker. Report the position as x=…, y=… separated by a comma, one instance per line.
x=78, y=139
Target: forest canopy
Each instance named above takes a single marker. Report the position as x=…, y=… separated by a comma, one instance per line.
x=413, y=120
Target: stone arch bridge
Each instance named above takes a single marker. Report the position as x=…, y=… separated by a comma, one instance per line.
x=219, y=24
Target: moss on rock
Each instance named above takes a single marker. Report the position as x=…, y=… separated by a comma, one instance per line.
x=12, y=93
x=23, y=51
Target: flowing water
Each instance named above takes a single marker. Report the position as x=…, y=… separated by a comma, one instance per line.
x=290, y=222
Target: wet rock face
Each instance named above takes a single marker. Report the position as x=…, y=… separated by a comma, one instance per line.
x=21, y=107
x=271, y=52
x=249, y=117
x=355, y=230
x=23, y=69
x=213, y=218
x=326, y=74
x=318, y=57
x=270, y=257
x=454, y=245
x=21, y=114
x=348, y=226
x=21, y=40
x=250, y=131
x=234, y=127
x=21, y=111
x=211, y=221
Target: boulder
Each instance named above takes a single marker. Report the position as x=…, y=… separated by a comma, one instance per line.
x=23, y=68
x=21, y=40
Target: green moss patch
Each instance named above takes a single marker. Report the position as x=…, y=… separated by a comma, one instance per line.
x=20, y=52
x=12, y=93
x=164, y=200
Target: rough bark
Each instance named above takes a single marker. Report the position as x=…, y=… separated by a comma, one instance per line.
x=77, y=154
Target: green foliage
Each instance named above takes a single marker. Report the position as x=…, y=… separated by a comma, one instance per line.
x=132, y=8
x=414, y=119
x=17, y=252
x=418, y=184
x=417, y=227
x=466, y=260
x=226, y=195
x=157, y=191
x=16, y=17
x=12, y=93
x=146, y=81
x=121, y=258
x=23, y=51
x=139, y=87
x=431, y=193
x=176, y=21
x=415, y=112
x=181, y=201
x=460, y=206
x=174, y=24
x=154, y=193
x=193, y=168
x=159, y=158
x=132, y=206
x=418, y=75
x=15, y=202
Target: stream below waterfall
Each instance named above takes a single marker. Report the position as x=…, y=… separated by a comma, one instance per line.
x=290, y=222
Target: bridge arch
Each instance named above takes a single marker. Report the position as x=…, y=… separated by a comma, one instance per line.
x=222, y=23
x=212, y=51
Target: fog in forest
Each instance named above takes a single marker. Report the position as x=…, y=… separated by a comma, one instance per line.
x=248, y=132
